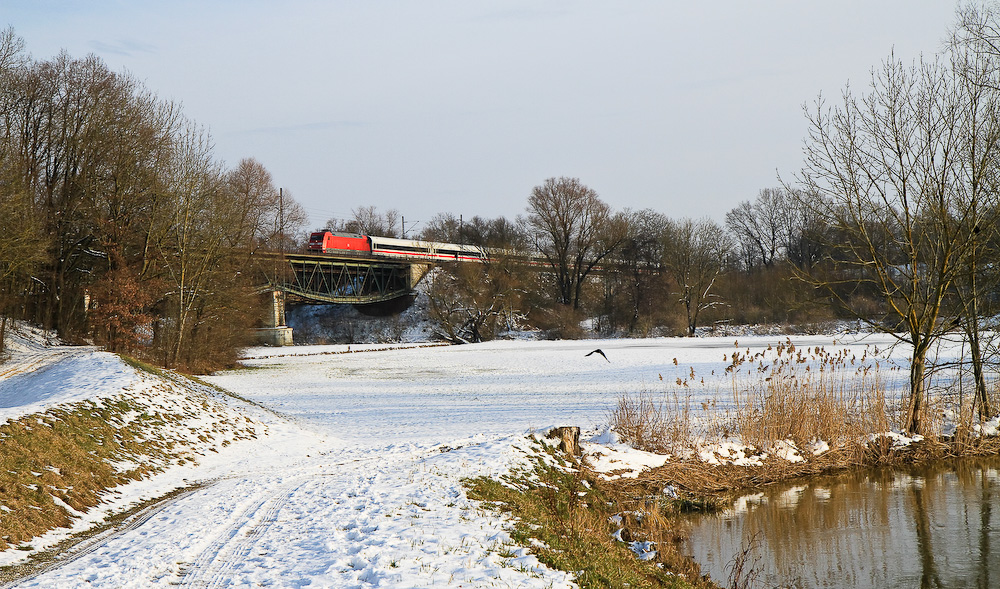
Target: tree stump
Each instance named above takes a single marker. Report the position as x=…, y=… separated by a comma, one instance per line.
x=569, y=439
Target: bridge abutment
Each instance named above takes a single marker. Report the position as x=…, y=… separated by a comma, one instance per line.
x=274, y=331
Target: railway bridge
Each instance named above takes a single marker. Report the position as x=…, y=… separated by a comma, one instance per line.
x=325, y=278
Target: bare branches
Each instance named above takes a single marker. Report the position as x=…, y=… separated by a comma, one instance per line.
x=898, y=173
x=116, y=221
x=695, y=254
x=569, y=223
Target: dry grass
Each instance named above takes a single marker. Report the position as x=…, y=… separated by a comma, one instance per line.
x=64, y=458
x=61, y=462
x=808, y=395
x=573, y=516
x=665, y=426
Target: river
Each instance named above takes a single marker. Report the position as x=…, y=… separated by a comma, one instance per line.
x=932, y=526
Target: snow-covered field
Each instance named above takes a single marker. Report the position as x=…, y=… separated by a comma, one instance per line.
x=499, y=387
x=362, y=488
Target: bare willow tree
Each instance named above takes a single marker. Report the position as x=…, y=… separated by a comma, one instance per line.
x=569, y=224
x=477, y=301
x=974, y=47
x=694, y=254
x=882, y=169
x=474, y=302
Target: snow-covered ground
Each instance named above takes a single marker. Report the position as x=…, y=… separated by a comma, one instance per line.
x=496, y=387
x=363, y=488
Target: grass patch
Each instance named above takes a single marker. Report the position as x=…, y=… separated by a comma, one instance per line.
x=172, y=376
x=64, y=459
x=571, y=519
x=144, y=367
x=60, y=463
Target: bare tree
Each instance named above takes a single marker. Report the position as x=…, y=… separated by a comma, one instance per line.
x=114, y=218
x=443, y=227
x=368, y=220
x=634, y=281
x=568, y=222
x=809, y=236
x=763, y=228
x=694, y=254
x=884, y=168
x=975, y=58
x=254, y=206
x=473, y=302
x=20, y=238
x=476, y=301
x=498, y=232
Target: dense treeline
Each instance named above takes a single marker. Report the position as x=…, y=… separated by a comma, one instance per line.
x=116, y=221
x=634, y=273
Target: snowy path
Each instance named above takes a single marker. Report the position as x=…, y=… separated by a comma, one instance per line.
x=37, y=376
x=390, y=517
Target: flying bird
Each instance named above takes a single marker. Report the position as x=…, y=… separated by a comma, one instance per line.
x=599, y=351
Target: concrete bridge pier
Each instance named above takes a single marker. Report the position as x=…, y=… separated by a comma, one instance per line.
x=417, y=273
x=274, y=331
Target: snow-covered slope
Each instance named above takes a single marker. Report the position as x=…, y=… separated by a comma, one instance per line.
x=299, y=505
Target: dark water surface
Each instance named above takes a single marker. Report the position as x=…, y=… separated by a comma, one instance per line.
x=934, y=526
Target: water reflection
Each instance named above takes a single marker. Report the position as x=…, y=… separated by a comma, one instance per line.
x=927, y=527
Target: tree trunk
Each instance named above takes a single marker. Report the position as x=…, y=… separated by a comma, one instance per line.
x=569, y=439
x=918, y=366
x=981, y=400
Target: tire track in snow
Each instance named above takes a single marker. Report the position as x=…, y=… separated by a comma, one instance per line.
x=230, y=548
x=90, y=543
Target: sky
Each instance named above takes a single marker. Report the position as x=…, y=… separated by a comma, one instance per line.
x=688, y=108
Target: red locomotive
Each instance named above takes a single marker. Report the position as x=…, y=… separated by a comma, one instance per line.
x=329, y=242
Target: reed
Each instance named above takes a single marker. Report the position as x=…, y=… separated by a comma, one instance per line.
x=808, y=397
x=663, y=426
x=832, y=407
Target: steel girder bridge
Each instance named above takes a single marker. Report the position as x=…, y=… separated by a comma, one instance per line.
x=349, y=280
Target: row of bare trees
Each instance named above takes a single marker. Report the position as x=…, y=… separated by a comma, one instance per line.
x=569, y=257
x=117, y=223
x=637, y=272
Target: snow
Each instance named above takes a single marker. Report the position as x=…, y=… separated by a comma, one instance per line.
x=358, y=482
x=621, y=461
x=730, y=452
x=503, y=386
x=899, y=439
x=38, y=375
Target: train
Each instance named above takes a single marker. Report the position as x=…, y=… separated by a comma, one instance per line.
x=355, y=244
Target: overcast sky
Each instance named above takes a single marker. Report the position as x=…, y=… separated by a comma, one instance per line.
x=462, y=106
